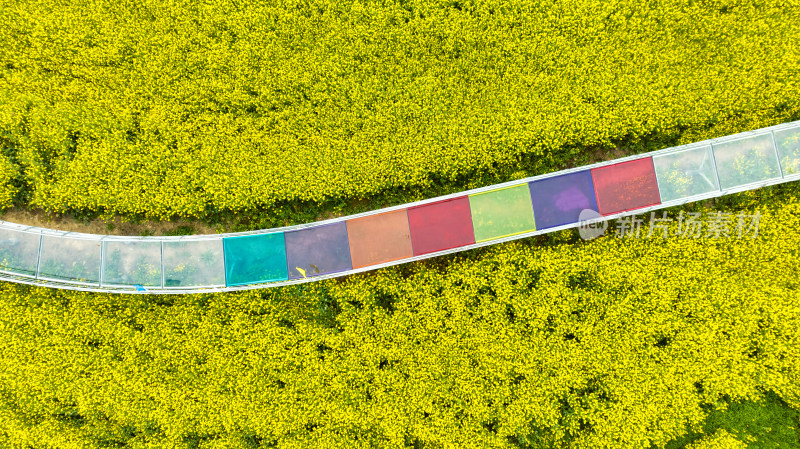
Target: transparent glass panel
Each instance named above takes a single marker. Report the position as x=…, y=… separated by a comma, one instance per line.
x=194, y=263
x=685, y=173
x=502, y=212
x=747, y=160
x=788, y=142
x=19, y=251
x=132, y=263
x=70, y=259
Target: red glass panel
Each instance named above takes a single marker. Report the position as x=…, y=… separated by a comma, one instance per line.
x=625, y=186
x=441, y=225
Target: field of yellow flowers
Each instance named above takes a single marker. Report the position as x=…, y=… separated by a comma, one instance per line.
x=195, y=109
x=171, y=109
x=611, y=343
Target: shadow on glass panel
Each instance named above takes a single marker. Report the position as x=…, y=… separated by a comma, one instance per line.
x=686, y=173
x=71, y=259
x=746, y=161
x=132, y=263
x=318, y=250
x=194, y=263
x=788, y=141
x=19, y=251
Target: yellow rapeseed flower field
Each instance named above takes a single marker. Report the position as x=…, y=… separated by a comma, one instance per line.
x=163, y=109
x=611, y=343
x=177, y=109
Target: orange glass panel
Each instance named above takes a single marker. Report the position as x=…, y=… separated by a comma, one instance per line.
x=379, y=238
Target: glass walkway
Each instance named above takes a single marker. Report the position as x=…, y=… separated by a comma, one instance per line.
x=429, y=228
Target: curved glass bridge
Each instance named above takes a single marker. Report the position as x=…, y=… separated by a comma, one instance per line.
x=429, y=228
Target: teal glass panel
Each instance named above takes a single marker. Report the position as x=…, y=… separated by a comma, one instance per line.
x=255, y=259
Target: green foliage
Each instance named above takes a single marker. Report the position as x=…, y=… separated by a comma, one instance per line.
x=181, y=230
x=762, y=425
x=767, y=423
x=160, y=109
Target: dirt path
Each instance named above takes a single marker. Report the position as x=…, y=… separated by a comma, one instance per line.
x=112, y=227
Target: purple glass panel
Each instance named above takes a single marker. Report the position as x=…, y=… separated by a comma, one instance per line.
x=318, y=250
x=559, y=200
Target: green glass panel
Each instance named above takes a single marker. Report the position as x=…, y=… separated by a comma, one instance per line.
x=19, y=251
x=132, y=263
x=685, y=173
x=745, y=161
x=254, y=259
x=788, y=141
x=194, y=263
x=500, y=213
